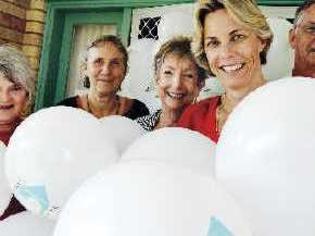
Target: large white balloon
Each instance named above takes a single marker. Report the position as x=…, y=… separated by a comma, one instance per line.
x=26, y=224
x=175, y=146
x=123, y=131
x=266, y=156
x=280, y=54
x=141, y=199
x=51, y=153
x=5, y=191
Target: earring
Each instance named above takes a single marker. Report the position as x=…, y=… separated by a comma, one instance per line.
x=86, y=82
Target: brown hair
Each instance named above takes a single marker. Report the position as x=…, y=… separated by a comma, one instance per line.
x=180, y=46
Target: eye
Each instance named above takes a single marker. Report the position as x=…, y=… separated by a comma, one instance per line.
x=237, y=37
x=189, y=76
x=115, y=62
x=17, y=87
x=167, y=72
x=310, y=29
x=98, y=62
x=212, y=43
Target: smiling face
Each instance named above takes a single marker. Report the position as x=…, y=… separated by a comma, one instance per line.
x=302, y=40
x=13, y=99
x=177, y=81
x=105, y=68
x=232, y=50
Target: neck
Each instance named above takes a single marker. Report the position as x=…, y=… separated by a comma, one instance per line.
x=231, y=98
x=234, y=96
x=102, y=105
x=8, y=127
x=306, y=71
x=169, y=117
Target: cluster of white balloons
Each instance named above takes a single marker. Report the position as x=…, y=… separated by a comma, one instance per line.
x=163, y=178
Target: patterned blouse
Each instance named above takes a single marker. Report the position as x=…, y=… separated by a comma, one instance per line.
x=150, y=121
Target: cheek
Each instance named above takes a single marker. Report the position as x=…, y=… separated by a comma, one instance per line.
x=211, y=61
x=20, y=99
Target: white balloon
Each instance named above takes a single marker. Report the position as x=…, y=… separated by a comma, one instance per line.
x=182, y=19
x=175, y=146
x=26, y=224
x=141, y=199
x=265, y=157
x=140, y=74
x=5, y=191
x=280, y=54
x=51, y=153
x=123, y=131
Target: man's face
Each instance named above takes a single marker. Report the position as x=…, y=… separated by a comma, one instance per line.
x=302, y=40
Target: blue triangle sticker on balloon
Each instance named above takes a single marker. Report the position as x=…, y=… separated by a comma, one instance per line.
x=36, y=194
x=217, y=228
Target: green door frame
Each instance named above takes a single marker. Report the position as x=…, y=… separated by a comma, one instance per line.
x=51, y=83
x=71, y=20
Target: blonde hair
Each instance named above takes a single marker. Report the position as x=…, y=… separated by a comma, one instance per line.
x=15, y=67
x=245, y=12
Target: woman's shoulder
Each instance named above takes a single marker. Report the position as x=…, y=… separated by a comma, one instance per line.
x=70, y=102
x=148, y=122
x=134, y=108
x=204, y=105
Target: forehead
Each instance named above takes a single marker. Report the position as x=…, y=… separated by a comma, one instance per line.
x=308, y=15
x=220, y=22
x=172, y=59
x=107, y=50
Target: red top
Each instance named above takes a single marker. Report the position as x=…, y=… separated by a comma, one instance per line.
x=201, y=117
x=14, y=206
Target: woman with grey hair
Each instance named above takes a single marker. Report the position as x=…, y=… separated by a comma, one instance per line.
x=231, y=42
x=179, y=80
x=105, y=68
x=17, y=84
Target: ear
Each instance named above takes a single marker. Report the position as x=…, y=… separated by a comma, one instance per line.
x=202, y=84
x=262, y=45
x=292, y=38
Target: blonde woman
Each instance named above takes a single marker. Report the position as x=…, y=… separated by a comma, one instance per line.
x=231, y=42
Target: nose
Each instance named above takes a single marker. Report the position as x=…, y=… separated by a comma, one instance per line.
x=105, y=69
x=226, y=50
x=177, y=80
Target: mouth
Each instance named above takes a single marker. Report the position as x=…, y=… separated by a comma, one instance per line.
x=232, y=67
x=6, y=107
x=175, y=95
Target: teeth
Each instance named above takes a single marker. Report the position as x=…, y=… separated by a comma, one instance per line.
x=176, y=95
x=232, y=68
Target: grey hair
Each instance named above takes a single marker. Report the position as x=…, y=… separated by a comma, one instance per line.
x=15, y=66
x=300, y=10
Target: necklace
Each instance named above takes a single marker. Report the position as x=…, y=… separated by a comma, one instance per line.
x=221, y=113
x=114, y=112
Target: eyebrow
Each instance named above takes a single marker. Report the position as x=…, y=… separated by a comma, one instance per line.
x=230, y=33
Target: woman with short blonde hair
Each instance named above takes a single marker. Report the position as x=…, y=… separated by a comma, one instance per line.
x=231, y=42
